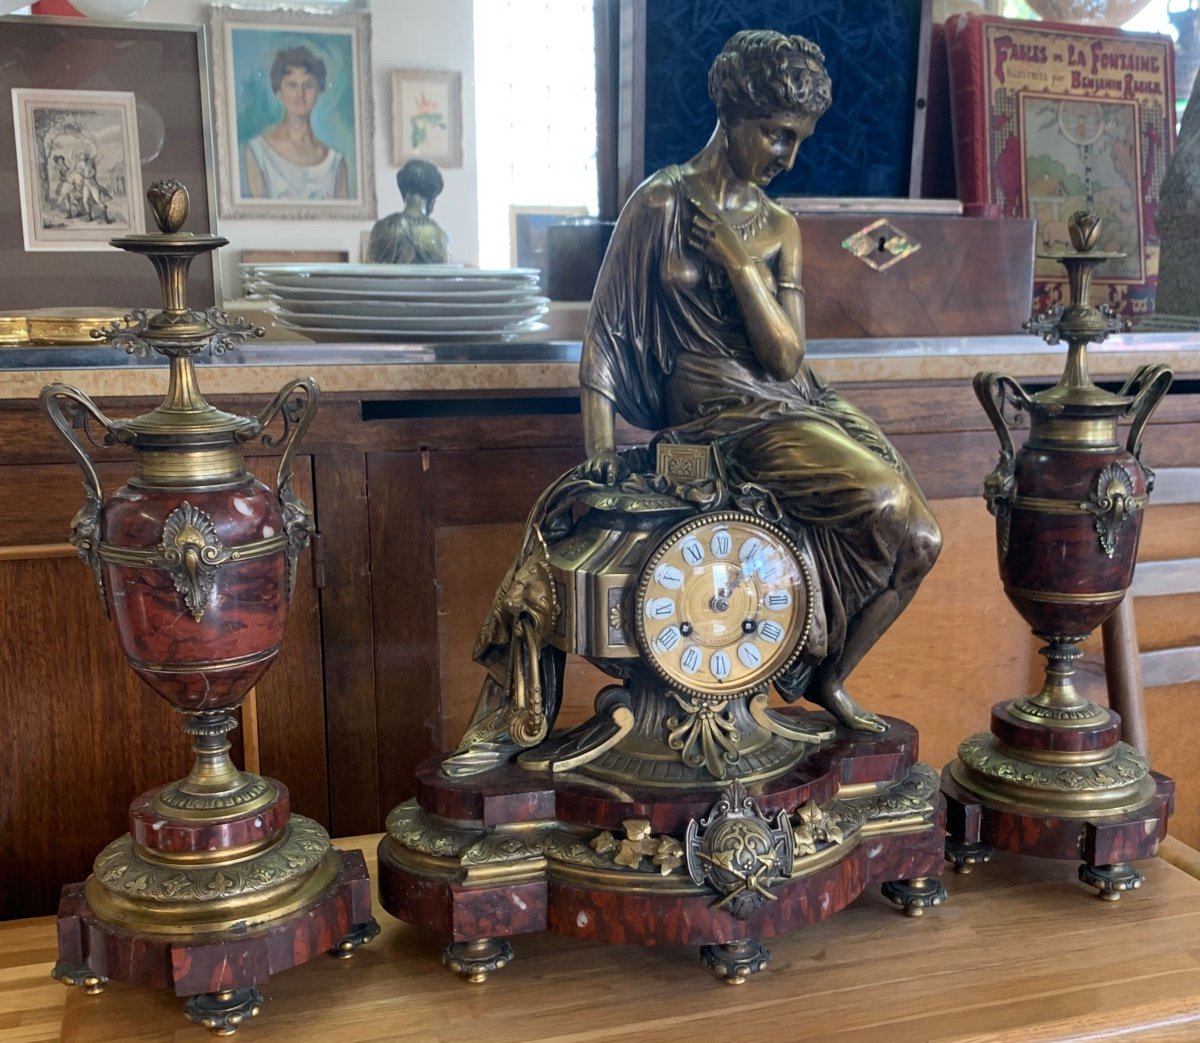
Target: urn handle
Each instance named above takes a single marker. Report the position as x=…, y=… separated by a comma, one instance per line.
x=1148, y=384
x=69, y=409
x=296, y=402
x=993, y=390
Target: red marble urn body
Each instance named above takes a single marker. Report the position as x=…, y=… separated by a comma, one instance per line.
x=209, y=657
x=1067, y=538
x=193, y=556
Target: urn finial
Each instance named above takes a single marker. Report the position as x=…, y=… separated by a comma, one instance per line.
x=168, y=200
x=1083, y=227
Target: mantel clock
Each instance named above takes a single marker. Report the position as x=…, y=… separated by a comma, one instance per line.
x=761, y=544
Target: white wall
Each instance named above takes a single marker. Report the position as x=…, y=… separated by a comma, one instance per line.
x=405, y=34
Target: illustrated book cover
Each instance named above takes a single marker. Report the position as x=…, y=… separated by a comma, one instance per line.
x=1050, y=119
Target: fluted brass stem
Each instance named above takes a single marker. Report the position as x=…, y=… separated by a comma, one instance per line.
x=1058, y=691
x=172, y=269
x=1079, y=278
x=183, y=391
x=1076, y=375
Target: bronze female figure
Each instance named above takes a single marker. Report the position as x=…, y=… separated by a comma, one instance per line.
x=697, y=331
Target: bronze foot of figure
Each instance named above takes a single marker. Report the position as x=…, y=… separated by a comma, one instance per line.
x=222, y=1012
x=476, y=960
x=848, y=713
x=916, y=895
x=735, y=962
x=965, y=855
x=359, y=935
x=1111, y=880
x=81, y=975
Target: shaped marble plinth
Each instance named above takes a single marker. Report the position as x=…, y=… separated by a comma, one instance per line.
x=515, y=851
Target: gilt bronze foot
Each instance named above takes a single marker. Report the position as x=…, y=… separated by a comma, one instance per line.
x=360, y=935
x=79, y=974
x=916, y=895
x=476, y=960
x=735, y=962
x=222, y=1012
x=1109, y=881
x=965, y=855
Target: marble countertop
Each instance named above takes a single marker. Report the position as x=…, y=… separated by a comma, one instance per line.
x=366, y=367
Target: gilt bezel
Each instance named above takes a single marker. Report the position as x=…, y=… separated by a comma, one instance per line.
x=665, y=544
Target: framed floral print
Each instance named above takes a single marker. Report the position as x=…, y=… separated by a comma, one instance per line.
x=427, y=117
x=294, y=118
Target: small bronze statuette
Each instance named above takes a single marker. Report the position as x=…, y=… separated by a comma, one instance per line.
x=412, y=236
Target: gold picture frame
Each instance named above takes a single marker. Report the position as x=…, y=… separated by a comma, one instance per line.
x=253, y=52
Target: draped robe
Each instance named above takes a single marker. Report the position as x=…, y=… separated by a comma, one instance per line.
x=665, y=342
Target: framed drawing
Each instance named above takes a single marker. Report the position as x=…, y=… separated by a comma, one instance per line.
x=78, y=167
x=527, y=227
x=427, y=117
x=124, y=104
x=294, y=119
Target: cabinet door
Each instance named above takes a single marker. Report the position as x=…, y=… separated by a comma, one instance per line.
x=444, y=527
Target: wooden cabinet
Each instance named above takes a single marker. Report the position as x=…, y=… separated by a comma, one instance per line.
x=420, y=503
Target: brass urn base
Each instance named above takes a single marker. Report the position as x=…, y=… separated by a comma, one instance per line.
x=1059, y=785
x=215, y=887
x=217, y=972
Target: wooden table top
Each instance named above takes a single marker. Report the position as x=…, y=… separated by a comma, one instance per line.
x=1021, y=954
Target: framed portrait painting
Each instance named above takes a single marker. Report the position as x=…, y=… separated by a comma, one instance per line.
x=78, y=167
x=427, y=117
x=294, y=120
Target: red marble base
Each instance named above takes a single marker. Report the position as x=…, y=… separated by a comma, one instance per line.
x=173, y=834
x=427, y=876
x=211, y=963
x=1098, y=841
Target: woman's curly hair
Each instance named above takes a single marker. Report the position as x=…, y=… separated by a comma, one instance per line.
x=760, y=72
x=296, y=58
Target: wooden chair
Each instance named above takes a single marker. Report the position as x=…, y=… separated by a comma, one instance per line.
x=1128, y=670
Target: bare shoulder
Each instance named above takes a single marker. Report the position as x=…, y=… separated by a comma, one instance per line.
x=782, y=222
x=659, y=192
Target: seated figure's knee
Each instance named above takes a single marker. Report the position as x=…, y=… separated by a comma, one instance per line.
x=905, y=521
x=892, y=502
x=923, y=542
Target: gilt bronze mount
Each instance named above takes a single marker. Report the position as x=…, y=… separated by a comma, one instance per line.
x=1052, y=776
x=217, y=885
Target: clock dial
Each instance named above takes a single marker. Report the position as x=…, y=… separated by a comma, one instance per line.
x=723, y=605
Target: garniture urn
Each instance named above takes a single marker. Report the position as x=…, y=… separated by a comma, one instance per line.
x=1068, y=506
x=194, y=561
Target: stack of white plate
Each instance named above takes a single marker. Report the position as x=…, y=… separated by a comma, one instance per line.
x=404, y=302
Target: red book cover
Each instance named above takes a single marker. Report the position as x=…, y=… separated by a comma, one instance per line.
x=1049, y=119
